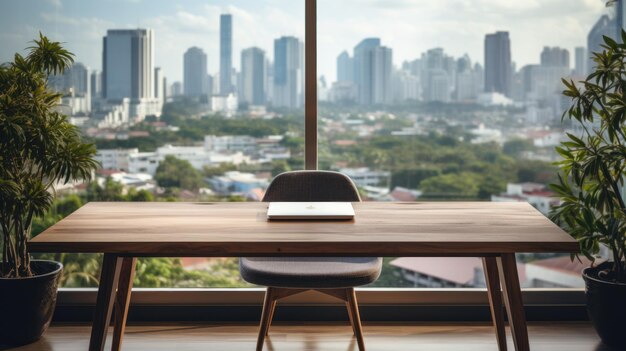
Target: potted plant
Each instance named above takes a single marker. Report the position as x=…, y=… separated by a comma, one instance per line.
x=39, y=148
x=591, y=186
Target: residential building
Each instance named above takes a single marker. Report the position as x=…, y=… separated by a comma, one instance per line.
x=114, y=158
x=363, y=176
x=536, y=194
x=448, y=272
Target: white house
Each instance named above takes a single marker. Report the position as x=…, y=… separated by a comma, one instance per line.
x=533, y=193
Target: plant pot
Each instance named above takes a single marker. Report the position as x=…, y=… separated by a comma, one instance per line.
x=27, y=304
x=606, y=305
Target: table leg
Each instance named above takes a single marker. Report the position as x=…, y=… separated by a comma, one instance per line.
x=109, y=276
x=513, y=300
x=122, y=300
x=494, y=292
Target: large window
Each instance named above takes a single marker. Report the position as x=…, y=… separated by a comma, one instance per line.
x=418, y=101
x=454, y=101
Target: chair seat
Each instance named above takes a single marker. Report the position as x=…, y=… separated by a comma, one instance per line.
x=310, y=272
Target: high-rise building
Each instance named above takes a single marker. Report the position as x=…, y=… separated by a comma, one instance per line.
x=75, y=79
x=253, y=76
x=75, y=85
x=96, y=85
x=372, y=72
x=555, y=57
x=128, y=64
x=159, y=85
x=620, y=17
x=604, y=26
x=436, y=79
x=498, y=72
x=226, y=54
x=176, y=89
x=345, y=70
x=362, y=65
x=288, y=72
x=195, y=72
x=581, y=61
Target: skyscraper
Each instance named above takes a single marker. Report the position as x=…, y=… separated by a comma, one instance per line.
x=372, y=72
x=620, y=18
x=128, y=64
x=345, y=71
x=195, y=72
x=437, y=81
x=604, y=26
x=96, y=84
x=362, y=65
x=253, y=76
x=581, y=61
x=555, y=57
x=498, y=63
x=75, y=85
x=159, y=84
x=288, y=72
x=226, y=54
x=75, y=79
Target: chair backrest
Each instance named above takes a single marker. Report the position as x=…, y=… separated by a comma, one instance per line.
x=311, y=186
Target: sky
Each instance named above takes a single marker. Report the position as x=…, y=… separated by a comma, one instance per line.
x=409, y=27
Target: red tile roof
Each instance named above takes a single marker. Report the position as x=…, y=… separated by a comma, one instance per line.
x=459, y=270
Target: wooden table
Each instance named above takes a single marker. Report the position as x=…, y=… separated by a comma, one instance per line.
x=494, y=231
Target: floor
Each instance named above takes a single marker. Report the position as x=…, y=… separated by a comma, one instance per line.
x=326, y=337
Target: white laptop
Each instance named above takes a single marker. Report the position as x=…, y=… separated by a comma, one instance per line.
x=310, y=210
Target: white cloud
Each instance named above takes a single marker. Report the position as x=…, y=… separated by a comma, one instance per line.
x=55, y=3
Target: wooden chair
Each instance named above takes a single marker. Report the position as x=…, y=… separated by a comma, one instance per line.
x=333, y=276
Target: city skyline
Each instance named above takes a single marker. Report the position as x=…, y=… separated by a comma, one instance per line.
x=197, y=24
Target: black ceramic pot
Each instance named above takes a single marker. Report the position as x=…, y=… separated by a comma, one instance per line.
x=27, y=304
x=606, y=304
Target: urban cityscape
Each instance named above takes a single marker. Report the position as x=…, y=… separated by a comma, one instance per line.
x=436, y=127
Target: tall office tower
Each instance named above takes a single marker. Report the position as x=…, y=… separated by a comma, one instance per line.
x=226, y=54
x=288, y=72
x=581, y=61
x=195, y=72
x=345, y=71
x=620, y=17
x=253, y=75
x=176, y=89
x=75, y=85
x=604, y=26
x=74, y=80
x=436, y=78
x=555, y=57
x=128, y=64
x=159, y=84
x=95, y=83
x=465, y=80
x=498, y=71
x=372, y=72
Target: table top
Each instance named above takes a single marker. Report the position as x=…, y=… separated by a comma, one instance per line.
x=241, y=229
